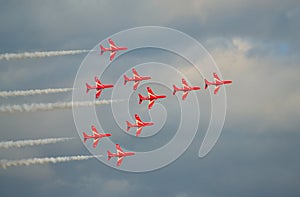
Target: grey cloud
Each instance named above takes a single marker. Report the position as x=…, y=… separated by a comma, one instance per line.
x=257, y=154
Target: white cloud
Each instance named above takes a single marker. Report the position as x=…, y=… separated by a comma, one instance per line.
x=263, y=87
x=241, y=44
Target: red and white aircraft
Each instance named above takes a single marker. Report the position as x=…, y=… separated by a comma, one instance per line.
x=113, y=48
x=136, y=78
x=151, y=97
x=120, y=154
x=186, y=89
x=218, y=82
x=99, y=87
x=96, y=136
x=139, y=124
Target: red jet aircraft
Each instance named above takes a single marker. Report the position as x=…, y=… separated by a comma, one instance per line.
x=136, y=78
x=139, y=124
x=96, y=136
x=99, y=87
x=151, y=97
x=186, y=89
x=113, y=48
x=120, y=154
x=218, y=82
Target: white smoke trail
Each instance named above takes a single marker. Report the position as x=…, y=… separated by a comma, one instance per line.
x=52, y=106
x=5, y=94
x=22, y=143
x=33, y=161
x=39, y=54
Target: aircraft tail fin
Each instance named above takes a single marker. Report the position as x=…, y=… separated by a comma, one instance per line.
x=129, y=125
x=102, y=49
x=175, y=89
x=85, y=136
x=109, y=155
x=141, y=98
x=88, y=87
x=126, y=79
x=206, y=83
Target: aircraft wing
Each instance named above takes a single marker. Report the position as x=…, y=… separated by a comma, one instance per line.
x=150, y=92
x=112, y=55
x=98, y=93
x=119, y=149
x=184, y=83
x=151, y=103
x=184, y=95
x=135, y=73
x=139, y=131
x=98, y=82
x=136, y=84
x=94, y=130
x=112, y=44
x=137, y=119
x=216, y=77
x=119, y=162
x=96, y=141
x=217, y=89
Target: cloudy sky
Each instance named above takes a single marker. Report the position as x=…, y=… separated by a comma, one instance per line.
x=254, y=43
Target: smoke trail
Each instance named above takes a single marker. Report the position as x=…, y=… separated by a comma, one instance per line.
x=52, y=106
x=10, y=56
x=33, y=161
x=33, y=92
x=22, y=143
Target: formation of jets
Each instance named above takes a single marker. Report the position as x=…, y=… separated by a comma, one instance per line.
x=151, y=97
